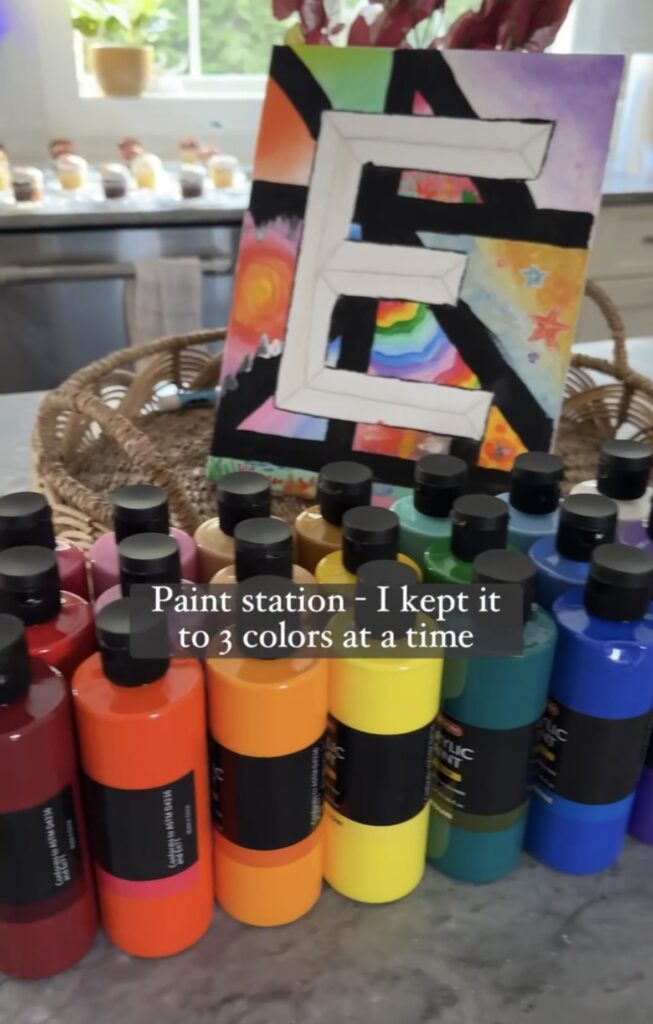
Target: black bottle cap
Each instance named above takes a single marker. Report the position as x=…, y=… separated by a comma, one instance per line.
x=263, y=548
x=624, y=468
x=139, y=508
x=535, y=483
x=369, y=533
x=501, y=566
x=117, y=625
x=479, y=523
x=242, y=496
x=393, y=574
x=15, y=672
x=586, y=520
x=25, y=518
x=148, y=558
x=30, y=575
x=438, y=481
x=619, y=583
x=263, y=620
x=341, y=486
x=650, y=522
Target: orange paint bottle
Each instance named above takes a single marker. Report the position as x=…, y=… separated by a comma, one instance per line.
x=142, y=734
x=267, y=720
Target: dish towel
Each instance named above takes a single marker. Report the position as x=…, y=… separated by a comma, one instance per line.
x=165, y=298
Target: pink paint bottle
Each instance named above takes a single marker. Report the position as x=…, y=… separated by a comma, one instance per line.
x=137, y=508
x=26, y=519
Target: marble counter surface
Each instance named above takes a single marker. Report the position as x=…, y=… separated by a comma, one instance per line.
x=537, y=947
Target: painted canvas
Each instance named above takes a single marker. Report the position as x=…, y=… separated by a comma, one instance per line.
x=412, y=264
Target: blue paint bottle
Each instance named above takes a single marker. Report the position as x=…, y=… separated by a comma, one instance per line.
x=424, y=514
x=594, y=734
x=533, y=498
x=563, y=561
x=483, y=752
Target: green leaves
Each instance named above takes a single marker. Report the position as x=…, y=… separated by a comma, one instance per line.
x=130, y=22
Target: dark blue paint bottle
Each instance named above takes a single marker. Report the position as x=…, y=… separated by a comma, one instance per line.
x=563, y=561
x=594, y=734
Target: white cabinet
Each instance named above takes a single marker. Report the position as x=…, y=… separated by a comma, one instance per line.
x=621, y=261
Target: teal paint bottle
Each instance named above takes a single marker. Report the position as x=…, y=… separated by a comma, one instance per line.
x=479, y=523
x=424, y=515
x=485, y=737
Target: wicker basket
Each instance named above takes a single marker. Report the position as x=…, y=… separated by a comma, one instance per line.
x=99, y=429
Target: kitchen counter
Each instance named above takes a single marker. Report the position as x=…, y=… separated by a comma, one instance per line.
x=623, y=189
x=536, y=947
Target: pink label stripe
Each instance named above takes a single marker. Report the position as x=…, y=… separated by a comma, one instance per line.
x=154, y=889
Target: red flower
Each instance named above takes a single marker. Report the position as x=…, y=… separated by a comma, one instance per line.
x=508, y=25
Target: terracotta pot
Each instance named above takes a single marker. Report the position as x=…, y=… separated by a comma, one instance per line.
x=122, y=70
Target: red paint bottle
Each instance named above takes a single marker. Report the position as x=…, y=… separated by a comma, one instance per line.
x=59, y=625
x=48, y=916
x=26, y=518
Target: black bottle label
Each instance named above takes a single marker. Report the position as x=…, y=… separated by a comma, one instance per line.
x=587, y=759
x=41, y=871
x=484, y=772
x=267, y=803
x=377, y=779
x=144, y=841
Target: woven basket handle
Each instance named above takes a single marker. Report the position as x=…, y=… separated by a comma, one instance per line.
x=619, y=367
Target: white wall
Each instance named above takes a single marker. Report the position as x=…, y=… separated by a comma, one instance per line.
x=22, y=111
x=613, y=26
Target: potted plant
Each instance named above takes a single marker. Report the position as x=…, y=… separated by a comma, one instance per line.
x=123, y=34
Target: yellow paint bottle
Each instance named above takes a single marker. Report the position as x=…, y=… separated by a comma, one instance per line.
x=378, y=759
x=369, y=533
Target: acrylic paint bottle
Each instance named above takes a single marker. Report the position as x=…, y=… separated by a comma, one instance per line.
x=263, y=547
x=240, y=496
x=483, y=753
x=378, y=758
x=26, y=518
x=623, y=472
x=641, y=818
x=563, y=561
x=479, y=523
x=424, y=515
x=533, y=498
x=143, y=558
x=369, y=533
x=593, y=737
x=137, y=508
x=318, y=530
x=48, y=918
x=59, y=626
x=638, y=534
x=267, y=719
x=142, y=733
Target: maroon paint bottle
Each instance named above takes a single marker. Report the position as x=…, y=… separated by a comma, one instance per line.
x=59, y=625
x=26, y=518
x=48, y=917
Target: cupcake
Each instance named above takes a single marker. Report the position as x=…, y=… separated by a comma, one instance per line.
x=189, y=150
x=191, y=181
x=130, y=148
x=115, y=181
x=61, y=147
x=27, y=183
x=71, y=171
x=223, y=170
x=147, y=170
x=5, y=173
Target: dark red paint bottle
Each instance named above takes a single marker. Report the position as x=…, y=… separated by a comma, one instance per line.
x=26, y=518
x=59, y=625
x=48, y=915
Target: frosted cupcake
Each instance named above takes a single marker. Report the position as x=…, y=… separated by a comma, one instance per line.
x=191, y=181
x=61, y=147
x=115, y=181
x=130, y=148
x=5, y=173
x=189, y=150
x=223, y=170
x=71, y=171
x=147, y=171
x=27, y=183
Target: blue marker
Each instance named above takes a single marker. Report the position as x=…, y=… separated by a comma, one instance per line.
x=594, y=734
